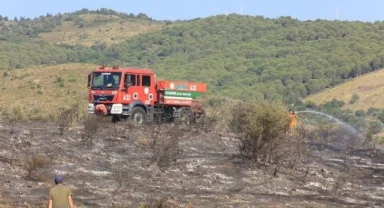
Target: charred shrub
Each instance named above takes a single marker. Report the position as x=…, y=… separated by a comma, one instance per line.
x=208, y=121
x=35, y=162
x=91, y=125
x=66, y=118
x=122, y=178
x=216, y=112
x=263, y=131
x=295, y=150
x=165, y=144
x=128, y=127
x=115, y=132
x=118, y=131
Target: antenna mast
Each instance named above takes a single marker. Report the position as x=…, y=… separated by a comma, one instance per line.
x=337, y=13
x=241, y=7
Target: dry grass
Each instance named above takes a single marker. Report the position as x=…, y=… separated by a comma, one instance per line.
x=108, y=29
x=40, y=92
x=369, y=88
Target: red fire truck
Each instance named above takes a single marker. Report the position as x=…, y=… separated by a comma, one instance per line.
x=134, y=93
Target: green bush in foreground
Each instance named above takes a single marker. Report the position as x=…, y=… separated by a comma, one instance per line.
x=263, y=130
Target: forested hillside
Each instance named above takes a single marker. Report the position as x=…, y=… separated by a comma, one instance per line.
x=31, y=28
x=254, y=57
x=246, y=57
x=66, y=38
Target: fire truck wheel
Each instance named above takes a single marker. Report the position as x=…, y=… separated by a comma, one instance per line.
x=185, y=116
x=138, y=115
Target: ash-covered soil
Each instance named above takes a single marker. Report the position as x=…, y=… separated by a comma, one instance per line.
x=118, y=171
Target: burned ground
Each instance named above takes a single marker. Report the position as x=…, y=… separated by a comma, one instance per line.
x=204, y=170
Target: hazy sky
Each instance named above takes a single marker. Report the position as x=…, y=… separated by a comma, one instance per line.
x=364, y=10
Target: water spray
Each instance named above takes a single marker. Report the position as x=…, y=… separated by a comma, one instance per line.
x=338, y=121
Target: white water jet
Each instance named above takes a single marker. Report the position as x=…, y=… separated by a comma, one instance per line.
x=348, y=127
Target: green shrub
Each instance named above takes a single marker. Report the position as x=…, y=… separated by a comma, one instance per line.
x=355, y=97
x=375, y=127
x=262, y=129
x=372, y=111
x=379, y=140
x=381, y=116
x=259, y=125
x=360, y=113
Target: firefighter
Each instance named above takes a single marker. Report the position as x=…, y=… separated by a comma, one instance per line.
x=292, y=121
x=111, y=81
x=60, y=195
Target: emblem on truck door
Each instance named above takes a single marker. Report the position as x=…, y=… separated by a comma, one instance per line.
x=127, y=97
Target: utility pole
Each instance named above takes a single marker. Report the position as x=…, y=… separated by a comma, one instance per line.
x=241, y=7
x=337, y=12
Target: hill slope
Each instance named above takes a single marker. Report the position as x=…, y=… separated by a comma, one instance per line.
x=369, y=89
x=243, y=57
x=39, y=93
x=254, y=57
x=95, y=28
x=86, y=22
x=67, y=38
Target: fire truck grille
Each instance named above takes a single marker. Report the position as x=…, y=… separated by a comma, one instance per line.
x=103, y=97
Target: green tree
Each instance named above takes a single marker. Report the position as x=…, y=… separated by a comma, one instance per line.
x=318, y=74
x=355, y=97
x=381, y=116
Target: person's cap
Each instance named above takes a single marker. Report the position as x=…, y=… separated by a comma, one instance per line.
x=58, y=179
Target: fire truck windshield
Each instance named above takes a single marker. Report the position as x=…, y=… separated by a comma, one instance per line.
x=105, y=80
